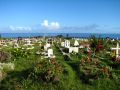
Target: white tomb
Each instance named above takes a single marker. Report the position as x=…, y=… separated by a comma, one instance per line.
x=81, y=46
x=40, y=43
x=73, y=49
x=116, y=49
x=46, y=46
x=50, y=52
x=76, y=43
x=15, y=45
x=2, y=42
x=67, y=44
x=28, y=42
x=62, y=44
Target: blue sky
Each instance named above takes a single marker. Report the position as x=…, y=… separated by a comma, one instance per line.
x=78, y=16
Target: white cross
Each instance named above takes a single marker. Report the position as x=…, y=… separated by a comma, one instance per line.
x=117, y=50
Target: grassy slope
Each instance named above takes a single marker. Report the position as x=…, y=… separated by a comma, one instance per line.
x=69, y=81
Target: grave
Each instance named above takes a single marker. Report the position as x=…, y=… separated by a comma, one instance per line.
x=73, y=49
x=76, y=43
x=62, y=44
x=28, y=42
x=50, y=53
x=46, y=46
x=67, y=44
x=15, y=45
x=116, y=49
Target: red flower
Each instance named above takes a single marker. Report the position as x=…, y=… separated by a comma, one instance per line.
x=99, y=46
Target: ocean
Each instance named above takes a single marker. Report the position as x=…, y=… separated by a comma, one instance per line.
x=77, y=35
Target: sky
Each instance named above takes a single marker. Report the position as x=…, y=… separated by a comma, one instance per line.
x=59, y=16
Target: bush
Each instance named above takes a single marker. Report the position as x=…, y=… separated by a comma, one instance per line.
x=19, y=52
x=94, y=69
x=66, y=58
x=66, y=50
x=47, y=71
x=4, y=56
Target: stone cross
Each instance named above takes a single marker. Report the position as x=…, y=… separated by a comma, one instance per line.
x=117, y=50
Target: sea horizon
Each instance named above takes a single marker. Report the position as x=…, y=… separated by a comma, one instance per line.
x=75, y=35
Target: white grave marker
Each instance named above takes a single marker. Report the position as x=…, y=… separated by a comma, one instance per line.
x=67, y=43
x=73, y=49
x=117, y=50
x=50, y=52
x=46, y=46
x=76, y=43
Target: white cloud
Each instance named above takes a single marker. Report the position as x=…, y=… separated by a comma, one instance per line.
x=11, y=27
x=20, y=28
x=51, y=25
x=45, y=23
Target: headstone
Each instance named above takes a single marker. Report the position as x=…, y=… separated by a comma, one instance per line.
x=15, y=45
x=2, y=42
x=32, y=47
x=117, y=50
x=50, y=52
x=28, y=42
x=76, y=43
x=67, y=43
x=81, y=46
x=46, y=46
x=40, y=43
x=62, y=44
x=50, y=40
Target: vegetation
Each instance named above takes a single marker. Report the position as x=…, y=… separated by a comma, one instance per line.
x=4, y=56
x=75, y=71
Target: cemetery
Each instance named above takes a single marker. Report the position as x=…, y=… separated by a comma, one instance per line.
x=59, y=63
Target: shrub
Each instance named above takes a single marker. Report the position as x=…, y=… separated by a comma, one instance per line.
x=66, y=58
x=19, y=52
x=4, y=56
x=47, y=71
x=66, y=50
x=94, y=69
x=7, y=66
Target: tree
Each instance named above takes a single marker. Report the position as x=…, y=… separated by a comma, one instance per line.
x=97, y=44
